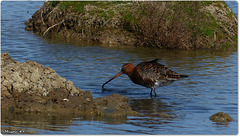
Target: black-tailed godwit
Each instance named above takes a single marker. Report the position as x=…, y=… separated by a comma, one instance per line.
x=149, y=74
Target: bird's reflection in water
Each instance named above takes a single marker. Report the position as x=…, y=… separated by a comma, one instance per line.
x=152, y=107
x=152, y=112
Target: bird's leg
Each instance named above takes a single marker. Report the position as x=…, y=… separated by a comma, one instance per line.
x=154, y=91
x=151, y=92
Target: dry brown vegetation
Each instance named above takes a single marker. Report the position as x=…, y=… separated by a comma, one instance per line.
x=183, y=25
x=162, y=27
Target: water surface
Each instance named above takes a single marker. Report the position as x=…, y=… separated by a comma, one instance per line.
x=210, y=88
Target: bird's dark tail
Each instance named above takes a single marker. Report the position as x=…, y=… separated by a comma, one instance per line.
x=183, y=76
x=175, y=76
x=154, y=61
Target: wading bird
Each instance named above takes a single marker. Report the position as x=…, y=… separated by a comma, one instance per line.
x=149, y=74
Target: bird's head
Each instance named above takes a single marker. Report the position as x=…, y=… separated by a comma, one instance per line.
x=126, y=69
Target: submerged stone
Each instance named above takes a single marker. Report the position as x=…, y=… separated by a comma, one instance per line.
x=221, y=117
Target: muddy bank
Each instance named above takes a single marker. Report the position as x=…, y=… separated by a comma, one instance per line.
x=175, y=25
x=31, y=87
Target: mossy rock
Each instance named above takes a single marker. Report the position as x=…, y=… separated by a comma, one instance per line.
x=221, y=117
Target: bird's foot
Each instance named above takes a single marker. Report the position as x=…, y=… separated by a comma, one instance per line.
x=103, y=89
x=153, y=97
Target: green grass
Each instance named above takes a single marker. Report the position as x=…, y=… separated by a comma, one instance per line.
x=235, y=38
x=206, y=23
x=75, y=6
x=54, y=3
x=78, y=6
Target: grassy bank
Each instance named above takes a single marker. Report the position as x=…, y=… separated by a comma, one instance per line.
x=181, y=25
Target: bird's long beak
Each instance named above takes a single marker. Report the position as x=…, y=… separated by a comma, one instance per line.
x=120, y=73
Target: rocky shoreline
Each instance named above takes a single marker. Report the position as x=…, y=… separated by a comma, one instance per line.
x=172, y=25
x=31, y=87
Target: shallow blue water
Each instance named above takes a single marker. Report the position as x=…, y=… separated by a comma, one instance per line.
x=211, y=87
